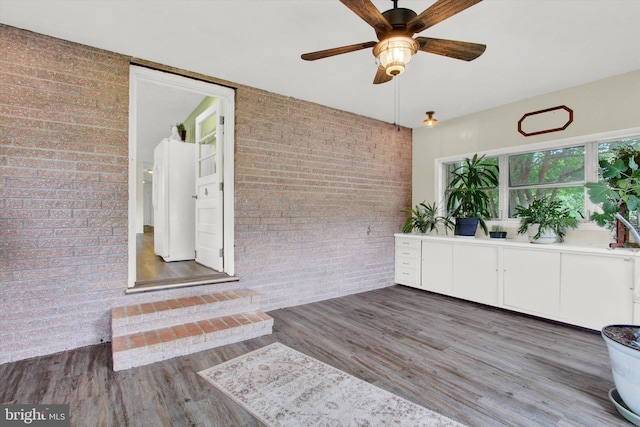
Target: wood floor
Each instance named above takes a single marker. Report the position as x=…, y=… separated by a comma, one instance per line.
x=478, y=365
x=151, y=269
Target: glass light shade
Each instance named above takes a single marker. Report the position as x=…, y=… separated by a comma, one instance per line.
x=394, y=53
x=430, y=121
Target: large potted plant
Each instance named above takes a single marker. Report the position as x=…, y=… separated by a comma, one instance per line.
x=618, y=193
x=426, y=218
x=546, y=221
x=469, y=201
x=623, y=343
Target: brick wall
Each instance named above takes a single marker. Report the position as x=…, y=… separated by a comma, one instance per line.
x=318, y=196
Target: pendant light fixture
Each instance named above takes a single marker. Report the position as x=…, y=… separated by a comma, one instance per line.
x=430, y=121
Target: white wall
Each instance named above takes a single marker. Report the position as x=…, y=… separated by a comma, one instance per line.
x=602, y=106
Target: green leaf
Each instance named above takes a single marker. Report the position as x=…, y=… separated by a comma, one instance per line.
x=599, y=192
x=609, y=207
x=632, y=203
x=613, y=170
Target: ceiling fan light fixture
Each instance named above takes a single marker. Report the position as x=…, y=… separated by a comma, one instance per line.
x=430, y=121
x=394, y=53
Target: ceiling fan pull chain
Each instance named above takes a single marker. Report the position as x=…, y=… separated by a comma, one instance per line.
x=396, y=103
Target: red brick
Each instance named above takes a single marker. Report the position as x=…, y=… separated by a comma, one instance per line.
x=152, y=338
x=136, y=340
x=180, y=331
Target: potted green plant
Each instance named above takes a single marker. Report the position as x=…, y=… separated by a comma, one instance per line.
x=469, y=201
x=618, y=193
x=425, y=218
x=546, y=220
x=497, y=232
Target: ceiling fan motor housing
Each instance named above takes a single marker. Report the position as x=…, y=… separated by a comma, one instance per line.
x=399, y=17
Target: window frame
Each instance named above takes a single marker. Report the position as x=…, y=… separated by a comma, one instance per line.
x=590, y=142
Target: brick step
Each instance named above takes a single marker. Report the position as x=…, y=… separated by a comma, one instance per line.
x=145, y=347
x=155, y=315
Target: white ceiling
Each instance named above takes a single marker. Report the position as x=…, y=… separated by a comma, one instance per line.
x=159, y=107
x=533, y=47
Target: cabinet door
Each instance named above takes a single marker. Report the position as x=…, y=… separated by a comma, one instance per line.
x=437, y=267
x=596, y=290
x=407, y=270
x=475, y=273
x=532, y=281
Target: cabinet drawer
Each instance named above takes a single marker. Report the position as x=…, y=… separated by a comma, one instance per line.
x=410, y=263
x=409, y=253
x=407, y=276
x=407, y=243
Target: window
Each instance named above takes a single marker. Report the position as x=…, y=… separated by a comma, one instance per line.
x=556, y=170
x=552, y=174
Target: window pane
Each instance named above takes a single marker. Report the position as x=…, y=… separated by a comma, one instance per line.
x=605, y=148
x=572, y=197
x=564, y=165
x=450, y=167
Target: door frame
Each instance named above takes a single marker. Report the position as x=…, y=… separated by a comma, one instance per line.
x=226, y=94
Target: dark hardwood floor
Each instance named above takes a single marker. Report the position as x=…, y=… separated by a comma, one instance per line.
x=478, y=365
x=151, y=269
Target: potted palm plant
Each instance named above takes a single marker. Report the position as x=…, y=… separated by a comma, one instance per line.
x=425, y=218
x=469, y=201
x=546, y=220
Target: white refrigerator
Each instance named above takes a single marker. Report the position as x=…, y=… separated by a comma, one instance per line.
x=173, y=204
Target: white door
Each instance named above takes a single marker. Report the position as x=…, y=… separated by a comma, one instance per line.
x=209, y=142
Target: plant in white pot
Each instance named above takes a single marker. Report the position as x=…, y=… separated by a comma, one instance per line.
x=623, y=343
x=425, y=218
x=546, y=221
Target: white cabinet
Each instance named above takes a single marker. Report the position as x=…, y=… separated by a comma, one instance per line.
x=532, y=281
x=583, y=286
x=408, y=265
x=437, y=267
x=475, y=273
x=596, y=290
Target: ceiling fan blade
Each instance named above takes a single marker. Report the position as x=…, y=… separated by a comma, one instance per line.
x=438, y=12
x=312, y=56
x=465, y=51
x=381, y=77
x=369, y=13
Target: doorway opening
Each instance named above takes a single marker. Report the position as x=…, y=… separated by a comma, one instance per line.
x=158, y=101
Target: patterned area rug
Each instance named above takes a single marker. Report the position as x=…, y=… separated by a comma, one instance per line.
x=283, y=387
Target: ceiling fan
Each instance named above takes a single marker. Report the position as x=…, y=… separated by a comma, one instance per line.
x=395, y=29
